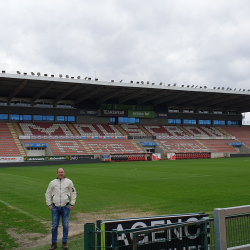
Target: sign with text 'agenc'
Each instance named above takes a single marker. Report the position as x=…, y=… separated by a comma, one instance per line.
x=125, y=239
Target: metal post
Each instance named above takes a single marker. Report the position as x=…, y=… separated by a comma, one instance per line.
x=114, y=240
x=89, y=236
x=220, y=229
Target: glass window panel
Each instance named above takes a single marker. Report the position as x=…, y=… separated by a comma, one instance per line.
x=71, y=118
x=38, y=117
x=60, y=118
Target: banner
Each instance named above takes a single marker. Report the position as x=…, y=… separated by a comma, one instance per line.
x=11, y=159
x=47, y=158
x=105, y=158
x=72, y=137
x=133, y=223
x=171, y=156
x=112, y=112
x=86, y=112
x=156, y=156
x=141, y=114
x=148, y=144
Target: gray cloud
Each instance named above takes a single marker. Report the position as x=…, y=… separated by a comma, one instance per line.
x=187, y=42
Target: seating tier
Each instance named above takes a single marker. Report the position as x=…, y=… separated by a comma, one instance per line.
x=8, y=146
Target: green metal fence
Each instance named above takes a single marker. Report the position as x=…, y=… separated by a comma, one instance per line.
x=187, y=235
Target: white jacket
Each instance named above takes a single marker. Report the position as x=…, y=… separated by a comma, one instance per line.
x=59, y=192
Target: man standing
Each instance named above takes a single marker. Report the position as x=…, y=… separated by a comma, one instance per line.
x=60, y=198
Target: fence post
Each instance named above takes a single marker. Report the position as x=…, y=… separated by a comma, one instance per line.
x=115, y=245
x=89, y=236
x=220, y=229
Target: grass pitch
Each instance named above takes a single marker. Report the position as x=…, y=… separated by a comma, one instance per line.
x=163, y=187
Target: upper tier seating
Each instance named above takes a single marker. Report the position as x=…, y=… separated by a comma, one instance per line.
x=106, y=146
x=219, y=146
x=63, y=147
x=182, y=146
x=133, y=130
x=164, y=130
x=44, y=129
x=8, y=146
x=240, y=133
x=96, y=129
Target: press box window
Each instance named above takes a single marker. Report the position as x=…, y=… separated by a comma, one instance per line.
x=3, y=116
x=205, y=122
x=219, y=122
x=186, y=121
x=174, y=121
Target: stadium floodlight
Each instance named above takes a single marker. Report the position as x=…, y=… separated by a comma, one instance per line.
x=72, y=77
x=45, y=74
x=142, y=82
x=67, y=76
x=222, y=88
x=96, y=79
x=214, y=87
x=138, y=82
x=205, y=87
x=52, y=75
x=160, y=83
x=18, y=72
x=112, y=80
x=175, y=84
x=182, y=86
x=131, y=81
x=148, y=82
x=248, y=90
x=228, y=88
x=200, y=87
x=89, y=78
x=169, y=84
x=78, y=77
x=25, y=73
x=85, y=78
x=187, y=86
x=196, y=86
x=3, y=71
x=244, y=90
x=192, y=86
x=153, y=83
x=239, y=89
x=38, y=73
x=218, y=87
x=60, y=75
x=32, y=73
x=121, y=81
x=235, y=89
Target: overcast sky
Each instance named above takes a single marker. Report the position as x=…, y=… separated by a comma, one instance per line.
x=201, y=42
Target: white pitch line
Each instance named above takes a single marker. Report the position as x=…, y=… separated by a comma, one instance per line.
x=21, y=211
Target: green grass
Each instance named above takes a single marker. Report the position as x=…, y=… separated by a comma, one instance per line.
x=164, y=187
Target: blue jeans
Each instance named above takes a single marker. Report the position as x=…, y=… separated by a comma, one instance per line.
x=58, y=212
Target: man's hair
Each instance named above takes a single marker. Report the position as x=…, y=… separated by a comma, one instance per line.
x=62, y=169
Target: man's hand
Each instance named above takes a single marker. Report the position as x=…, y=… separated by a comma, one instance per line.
x=50, y=208
x=70, y=207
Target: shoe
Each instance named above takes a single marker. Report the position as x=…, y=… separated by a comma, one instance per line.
x=53, y=246
x=65, y=246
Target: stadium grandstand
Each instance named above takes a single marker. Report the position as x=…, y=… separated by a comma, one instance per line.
x=43, y=115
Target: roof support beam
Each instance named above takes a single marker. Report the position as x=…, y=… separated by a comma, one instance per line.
x=166, y=98
x=16, y=90
x=87, y=95
x=42, y=91
x=110, y=95
x=66, y=93
x=128, y=97
x=149, y=97
x=182, y=100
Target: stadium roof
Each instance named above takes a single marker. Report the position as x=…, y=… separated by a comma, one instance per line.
x=56, y=89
